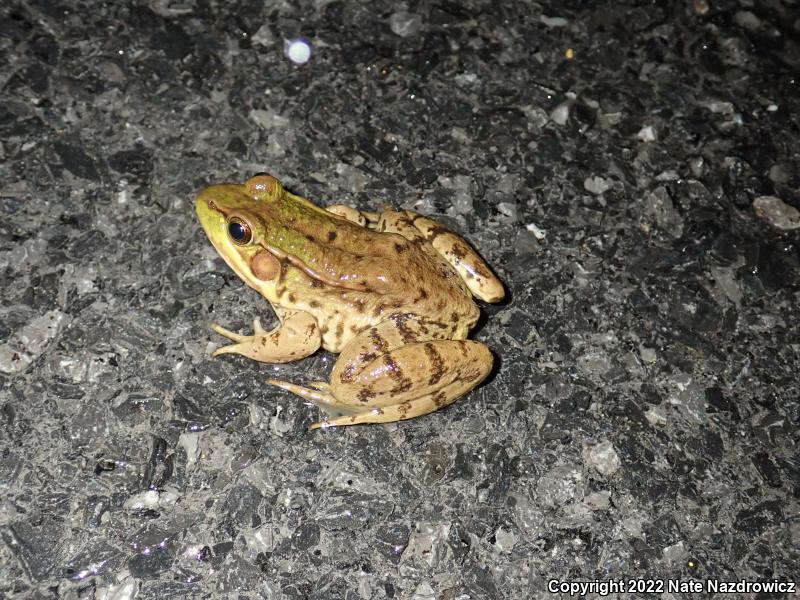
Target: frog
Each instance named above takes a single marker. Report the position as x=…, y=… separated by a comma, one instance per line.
x=392, y=292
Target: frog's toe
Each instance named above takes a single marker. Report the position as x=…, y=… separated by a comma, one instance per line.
x=228, y=334
x=317, y=396
x=231, y=349
x=321, y=398
x=257, y=329
x=297, y=337
x=236, y=337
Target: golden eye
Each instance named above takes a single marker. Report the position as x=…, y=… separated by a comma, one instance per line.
x=239, y=231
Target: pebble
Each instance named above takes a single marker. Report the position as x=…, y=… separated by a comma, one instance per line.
x=776, y=212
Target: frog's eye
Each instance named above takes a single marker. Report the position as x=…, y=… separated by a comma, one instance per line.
x=239, y=231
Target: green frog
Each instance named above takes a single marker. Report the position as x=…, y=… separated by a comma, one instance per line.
x=390, y=292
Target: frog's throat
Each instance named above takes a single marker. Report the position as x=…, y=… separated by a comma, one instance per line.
x=359, y=286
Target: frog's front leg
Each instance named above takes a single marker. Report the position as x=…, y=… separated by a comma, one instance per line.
x=296, y=337
x=399, y=369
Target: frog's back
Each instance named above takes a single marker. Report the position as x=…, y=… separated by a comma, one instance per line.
x=413, y=281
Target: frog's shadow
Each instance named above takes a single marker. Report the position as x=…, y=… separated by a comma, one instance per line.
x=488, y=310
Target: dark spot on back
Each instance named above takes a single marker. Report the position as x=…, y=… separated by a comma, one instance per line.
x=459, y=251
x=331, y=236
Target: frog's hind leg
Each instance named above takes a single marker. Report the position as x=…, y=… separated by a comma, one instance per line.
x=452, y=247
x=405, y=367
x=423, y=405
x=317, y=395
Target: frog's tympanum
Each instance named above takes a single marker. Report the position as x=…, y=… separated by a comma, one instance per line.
x=391, y=292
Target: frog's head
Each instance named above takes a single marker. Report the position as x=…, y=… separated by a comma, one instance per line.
x=236, y=219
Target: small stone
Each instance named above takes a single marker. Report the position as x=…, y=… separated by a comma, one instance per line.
x=13, y=361
x=596, y=185
x=747, y=20
x=553, y=21
x=779, y=173
x=720, y=108
x=647, y=355
x=538, y=233
x=595, y=363
x=509, y=210
x=656, y=416
x=142, y=500
x=647, y=134
x=603, y=457
x=560, y=113
x=424, y=591
x=697, y=166
x=28, y=343
x=675, y=554
x=659, y=209
x=598, y=500
x=405, y=24
x=776, y=212
x=560, y=486
x=263, y=37
x=504, y=540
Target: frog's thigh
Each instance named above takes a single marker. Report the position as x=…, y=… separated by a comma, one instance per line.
x=381, y=339
x=412, y=371
x=403, y=359
x=456, y=250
